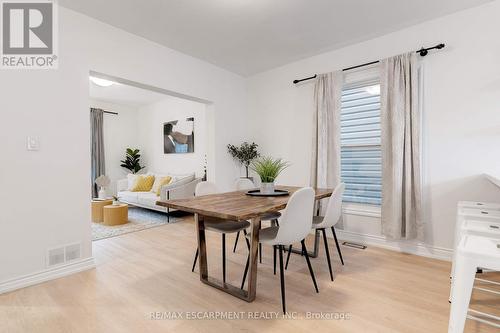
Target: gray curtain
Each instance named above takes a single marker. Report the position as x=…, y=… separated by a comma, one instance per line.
x=97, y=147
x=401, y=155
x=325, y=166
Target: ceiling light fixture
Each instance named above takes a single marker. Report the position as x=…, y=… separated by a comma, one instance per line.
x=101, y=82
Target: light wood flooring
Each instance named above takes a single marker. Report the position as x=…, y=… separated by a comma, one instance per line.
x=150, y=271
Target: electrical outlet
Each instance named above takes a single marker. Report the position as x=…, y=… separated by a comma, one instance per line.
x=33, y=143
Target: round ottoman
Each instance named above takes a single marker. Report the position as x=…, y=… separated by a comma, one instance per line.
x=115, y=214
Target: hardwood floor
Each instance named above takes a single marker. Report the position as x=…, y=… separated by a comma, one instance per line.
x=150, y=272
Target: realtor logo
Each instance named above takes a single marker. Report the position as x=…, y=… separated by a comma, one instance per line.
x=28, y=35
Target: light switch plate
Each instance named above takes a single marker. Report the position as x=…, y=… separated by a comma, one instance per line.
x=33, y=143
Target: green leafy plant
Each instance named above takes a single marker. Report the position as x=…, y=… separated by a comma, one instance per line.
x=245, y=153
x=269, y=168
x=132, y=161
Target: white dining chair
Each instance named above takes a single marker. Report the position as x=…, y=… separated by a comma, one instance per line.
x=295, y=225
x=243, y=184
x=217, y=225
x=332, y=216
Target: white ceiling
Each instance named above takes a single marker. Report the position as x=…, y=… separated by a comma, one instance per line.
x=250, y=36
x=123, y=94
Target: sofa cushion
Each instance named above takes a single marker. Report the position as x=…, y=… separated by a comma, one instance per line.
x=131, y=179
x=143, y=183
x=128, y=196
x=160, y=180
x=147, y=198
x=178, y=181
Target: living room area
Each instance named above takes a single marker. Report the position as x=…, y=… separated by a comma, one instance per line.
x=251, y=166
x=146, y=145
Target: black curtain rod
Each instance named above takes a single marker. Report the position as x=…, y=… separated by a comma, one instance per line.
x=110, y=112
x=423, y=52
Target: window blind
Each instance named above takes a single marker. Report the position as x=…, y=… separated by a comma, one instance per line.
x=361, y=155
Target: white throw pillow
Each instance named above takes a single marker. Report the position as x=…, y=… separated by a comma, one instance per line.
x=131, y=179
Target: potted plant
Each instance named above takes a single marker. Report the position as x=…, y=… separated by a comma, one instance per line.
x=244, y=154
x=132, y=161
x=268, y=169
x=116, y=202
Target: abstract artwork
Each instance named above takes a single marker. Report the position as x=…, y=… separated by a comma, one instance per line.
x=178, y=136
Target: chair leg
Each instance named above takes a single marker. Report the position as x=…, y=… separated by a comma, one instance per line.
x=245, y=272
x=327, y=253
x=304, y=250
x=246, y=239
x=274, y=258
x=236, y=241
x=282, y=278
x=224, y=258
x=288, y=256
x=338, y=246
x=195, y=259
x=260, y=253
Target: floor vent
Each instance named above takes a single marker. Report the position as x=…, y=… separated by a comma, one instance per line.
x=355, y=245
x=60, y=255
x=55, y=256
x=73, y=251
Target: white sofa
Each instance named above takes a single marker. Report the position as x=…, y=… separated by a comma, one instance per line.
x=181, y=187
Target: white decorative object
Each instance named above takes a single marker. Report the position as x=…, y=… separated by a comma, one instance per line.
x=267, y=188
x=102, y=193
x=102, y=182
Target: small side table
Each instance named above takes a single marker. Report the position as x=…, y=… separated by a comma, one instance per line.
x=115, y=214
x=97, y=209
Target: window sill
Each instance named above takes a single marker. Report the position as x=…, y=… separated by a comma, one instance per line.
x=361, y=210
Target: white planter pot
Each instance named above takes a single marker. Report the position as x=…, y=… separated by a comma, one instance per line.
x=116, y=203
x=267, y=188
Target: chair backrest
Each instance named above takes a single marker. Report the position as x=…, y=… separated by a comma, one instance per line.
x=334, y=209
x=244, y=184
x=296, y=220
x=205, y=188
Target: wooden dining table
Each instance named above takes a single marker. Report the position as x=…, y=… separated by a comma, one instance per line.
x=237, y=206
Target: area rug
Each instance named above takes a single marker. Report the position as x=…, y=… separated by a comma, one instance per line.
x=138, y=219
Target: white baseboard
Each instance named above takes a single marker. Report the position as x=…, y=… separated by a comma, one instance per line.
x=419, y=249
x=46, y=275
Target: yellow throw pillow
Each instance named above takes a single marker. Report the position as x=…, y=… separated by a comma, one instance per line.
x=143, y=184
x=163, y=181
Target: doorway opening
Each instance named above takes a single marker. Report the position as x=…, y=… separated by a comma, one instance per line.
x=147, y=145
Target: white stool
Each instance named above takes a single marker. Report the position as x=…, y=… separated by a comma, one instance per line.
x=477, y=225
x=478, y=205
x=472, y=252
x=476, y=214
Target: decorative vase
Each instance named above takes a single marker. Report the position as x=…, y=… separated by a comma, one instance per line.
x=102, y=193
x=267, y=188
x=116, y=203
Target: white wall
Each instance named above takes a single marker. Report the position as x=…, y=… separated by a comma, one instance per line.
x=45, y=194
x=120, y=133
x=461, y=112
x=150, y=135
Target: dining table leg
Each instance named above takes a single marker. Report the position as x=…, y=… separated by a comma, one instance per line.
x=202, y=246
x=254, y=245
x=246, y=295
